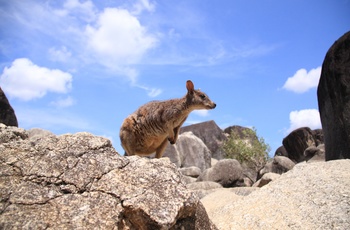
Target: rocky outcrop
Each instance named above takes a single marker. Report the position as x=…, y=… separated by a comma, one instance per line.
x=279, y=165
x=310, y=196
x=226, y=172
x=281, y=151
x=211, y=134
x=297, y=141
x=314, y=154
x=334, y=99
x=7, y=114
x=188, y=151
x=266, y=178
x=80, y=182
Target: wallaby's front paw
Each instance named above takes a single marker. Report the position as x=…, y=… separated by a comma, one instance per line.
x=172, y=141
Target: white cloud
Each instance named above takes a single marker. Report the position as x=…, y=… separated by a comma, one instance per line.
x=65, y=102
x=151, y=92
x=302, y=80
x=26, y=81
x=118, y=38
x=201, y=113
x=304, y=118
x=142, y=5
x=60, y=55
x=85, y=10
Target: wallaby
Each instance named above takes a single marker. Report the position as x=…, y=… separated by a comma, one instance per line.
x=149, y=128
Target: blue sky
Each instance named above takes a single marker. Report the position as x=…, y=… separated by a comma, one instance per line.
x=71, y=66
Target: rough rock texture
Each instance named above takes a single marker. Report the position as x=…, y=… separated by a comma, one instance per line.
x=193, y=151
x=310, y=196
x=226, y=172
x=220, y=197
x=189, y=151
x=281, y=151
x=279, y=165
x=211, y=134
x=265, y=179
x=203, y=188
x=192, y=171
x=296, y=143
x=205, y=185
x=313, y=154
x=80, y=182
x=7, y=114
x=334, y=99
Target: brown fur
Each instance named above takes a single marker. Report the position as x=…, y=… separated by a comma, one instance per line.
x=150, y=127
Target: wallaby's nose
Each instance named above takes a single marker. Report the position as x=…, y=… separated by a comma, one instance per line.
x=214, y=106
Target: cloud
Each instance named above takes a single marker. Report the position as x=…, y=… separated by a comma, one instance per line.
x=201, y=113
x=59, y=55
x=304, y=118
x=118, y=38
x=65, y=102
x=151, y=92
x=302, y=81
x=142, y=5
x=27, y=81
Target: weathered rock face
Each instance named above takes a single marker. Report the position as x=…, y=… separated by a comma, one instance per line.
x=279, y=165
x=210, y=134
x=314, y=154
x=226, y=172
x=7, y=114
x=281, y=151
x=297, y=141
x=80, y=182
x=334, y=99
x=310, y=196
x=189, y=151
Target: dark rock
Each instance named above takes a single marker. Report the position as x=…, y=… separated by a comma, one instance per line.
x=281, y=151
x=296, y=143
x=318, y=136
x=210, y=134
x=334, y=99
x=7, y=114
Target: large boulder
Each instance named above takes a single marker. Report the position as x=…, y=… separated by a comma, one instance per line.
x=188, y=151
x=226, y=172
x=80, y=182
x=279, y=165
x=310, y=196
x=7, y=114
x=297, y=141
x=211, y=134
x=334, y=99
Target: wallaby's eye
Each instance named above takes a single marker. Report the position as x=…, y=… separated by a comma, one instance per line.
x=202, y=96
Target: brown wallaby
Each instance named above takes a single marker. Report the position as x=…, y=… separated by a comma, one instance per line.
x=150, y=127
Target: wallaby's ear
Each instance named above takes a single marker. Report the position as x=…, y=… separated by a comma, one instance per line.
x=189, y=86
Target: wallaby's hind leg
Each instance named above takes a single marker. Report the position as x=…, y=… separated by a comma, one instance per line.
x=161, y=148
